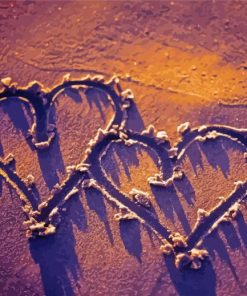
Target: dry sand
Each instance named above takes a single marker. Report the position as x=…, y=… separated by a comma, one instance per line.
x=185, y=62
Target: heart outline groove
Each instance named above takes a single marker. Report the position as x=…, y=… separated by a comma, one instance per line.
x=44, y=219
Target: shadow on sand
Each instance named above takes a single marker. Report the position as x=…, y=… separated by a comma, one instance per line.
x=56, y=255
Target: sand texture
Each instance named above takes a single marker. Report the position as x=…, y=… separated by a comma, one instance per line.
x=123, y=148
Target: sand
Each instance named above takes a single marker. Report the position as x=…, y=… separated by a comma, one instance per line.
x=184, y=63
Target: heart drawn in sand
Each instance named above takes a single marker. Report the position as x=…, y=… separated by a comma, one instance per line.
x=90, y=172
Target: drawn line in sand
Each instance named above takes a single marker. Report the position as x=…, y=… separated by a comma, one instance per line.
x=44, y=218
